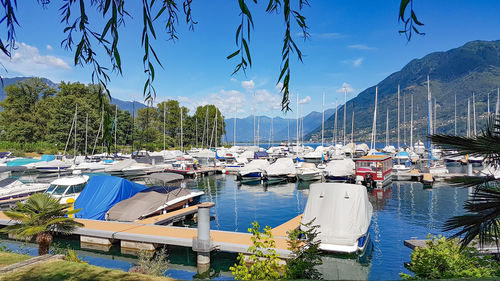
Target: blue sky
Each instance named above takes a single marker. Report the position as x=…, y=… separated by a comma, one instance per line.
x=352, y=42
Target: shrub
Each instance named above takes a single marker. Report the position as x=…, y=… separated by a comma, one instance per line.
x=263, y=263
x=306, y=253
x=445, y=259
x=152, y=263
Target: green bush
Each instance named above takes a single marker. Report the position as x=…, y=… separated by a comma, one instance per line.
x=263, y=263
x=306, y=253
x=443, y=259
x=152, y=263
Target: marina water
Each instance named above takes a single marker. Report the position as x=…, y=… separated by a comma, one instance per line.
x=402, y=211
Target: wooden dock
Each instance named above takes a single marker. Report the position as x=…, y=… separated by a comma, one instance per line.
x=419, y=243
x=147, y=232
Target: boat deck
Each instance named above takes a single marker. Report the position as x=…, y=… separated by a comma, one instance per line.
x=145, y=231
x=169, y=216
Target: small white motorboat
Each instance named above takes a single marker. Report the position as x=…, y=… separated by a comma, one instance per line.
x=308, y=172
x=67, y=188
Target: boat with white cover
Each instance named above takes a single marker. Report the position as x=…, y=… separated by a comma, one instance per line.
x=339, y=170
x=282, y=169
x=54, y=166
x=253, y=171
x=12, y=188
x=343, y=213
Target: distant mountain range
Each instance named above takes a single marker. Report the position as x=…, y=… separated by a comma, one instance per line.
x=282, y=127
x=123, y=105
x=471, y=68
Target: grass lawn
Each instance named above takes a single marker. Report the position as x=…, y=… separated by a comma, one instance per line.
x=11, y=258
x=65, y=270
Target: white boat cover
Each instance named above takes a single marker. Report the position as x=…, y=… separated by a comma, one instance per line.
x=282, y=167
x=119, y=166
x=247, y=154
x=257, y=165
x=207, y=153
x=52, y=164
x=340, y=168
x=241, y=160
x=362, y=147
x=341, y=210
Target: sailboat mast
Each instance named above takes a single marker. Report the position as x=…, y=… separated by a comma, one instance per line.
x=435, y=117
x=258, y=131
x=345, y=109
x=182, y=141
x=86, y=132
x=387, y=127
x=468, y=118
x=297, y=152
x=164, y=132
x=116, y=123
x=411, y=122
x=335, y=124
x=455, y=114
x=429, y=119
x=133, y=119
x=404, y=119
x=398, y=115
x=76, y=119
x=488, y=110
x=254, y=133
x=234, y=129
x=352, y=124
x=374, y=127
x=474, y=112
x=323, y=122
x=196, y=131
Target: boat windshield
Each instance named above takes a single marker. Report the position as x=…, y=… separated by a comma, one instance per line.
x=59, y=190
x=50, y=189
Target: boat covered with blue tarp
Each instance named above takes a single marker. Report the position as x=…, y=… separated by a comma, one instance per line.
x=103, y=192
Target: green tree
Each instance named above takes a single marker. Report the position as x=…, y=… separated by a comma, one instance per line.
x=264, y=262
x=445, y=259
x=483, y=207
x=206, y=125
x=41, y=216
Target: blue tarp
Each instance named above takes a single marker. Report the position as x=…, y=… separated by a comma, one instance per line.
x=103, y=192
x=48, y=157
x=403, y=153
x=22, y=161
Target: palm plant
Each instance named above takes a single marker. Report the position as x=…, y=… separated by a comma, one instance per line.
x=482, y=215
x=40, y=216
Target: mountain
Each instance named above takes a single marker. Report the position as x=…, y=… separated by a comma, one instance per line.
x=244, y=127
x=471, y=68
x=123, y=105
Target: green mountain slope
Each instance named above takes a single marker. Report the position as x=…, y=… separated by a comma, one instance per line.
x=471, y=68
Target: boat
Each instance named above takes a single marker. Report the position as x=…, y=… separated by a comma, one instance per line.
x=339, y=170
x=281, y=170
x=315, y=156
x=103, y=192
x=182, y=166
x=308, y=172
x=374, y=171
x=66, y=188
x=11, y=188
x=402, y=162
x=419, y=148
x=253, y=171
x=159, y=198
x=343, y=215
x=234, y=166
x=54, y=166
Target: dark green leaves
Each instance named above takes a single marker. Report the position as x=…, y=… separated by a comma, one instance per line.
x=411, y=21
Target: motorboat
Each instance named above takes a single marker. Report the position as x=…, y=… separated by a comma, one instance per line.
x=54, y=166
x=236, y=165
x=339, y=170
x=253, y=171
x=374, y=171
x=116, y=169
x=93, y=167
x=402, y=162
x=308, y=172
x=315, y=156
x=12, y=188
x=343, y=215
x=438, y=168
x=419, y=148
x=281, y=170
x=155, y=200
x=182, y=166
x=67, y=188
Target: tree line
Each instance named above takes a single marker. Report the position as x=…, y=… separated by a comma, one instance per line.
x=34, y=112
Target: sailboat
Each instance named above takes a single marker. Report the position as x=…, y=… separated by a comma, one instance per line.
x=388, y=148
x=374, y=127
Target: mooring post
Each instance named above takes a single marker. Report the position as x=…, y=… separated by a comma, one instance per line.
x=469, y=169
x=202, y=244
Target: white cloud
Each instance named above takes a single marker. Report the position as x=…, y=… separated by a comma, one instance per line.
x=248, y=85
x=355, y=63
x=305, y=100
x=326, y=35
x=267, y=101
x=347, y=87
x=28, y=61
x=361, y=47
x=49, y=48
x=278, y=87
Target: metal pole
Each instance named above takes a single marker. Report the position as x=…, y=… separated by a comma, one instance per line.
x=345, y=105
x=398, y=116
x=86, y=133
x=323, y=122
x=202, y=245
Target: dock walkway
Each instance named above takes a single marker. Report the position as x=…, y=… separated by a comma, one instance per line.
x=420, y=243
x=145, y=231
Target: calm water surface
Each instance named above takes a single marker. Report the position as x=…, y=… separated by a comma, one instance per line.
x=401, y=211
